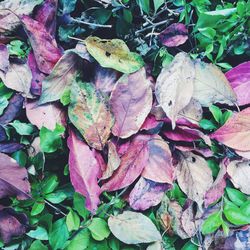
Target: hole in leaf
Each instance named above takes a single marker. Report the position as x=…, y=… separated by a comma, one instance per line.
x=108, y=54
x=193, y=159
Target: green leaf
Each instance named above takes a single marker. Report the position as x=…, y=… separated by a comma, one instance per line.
x=51, y=141
x=114, y=54
x=99, y=229
x=176, y=194
x=226, y=115
x=39, y=234
x=59, y=234
x=225, y=228
x=208, y=32
x=18, y=48
x=236, y=196
x=65, y=98
x=207, y=124
x=37, y=208
x=144, y=5
x=3, y=104
x=20, y=157
x=158, y=4
x=22, y=128
x=214, y=166
x=114, y=244
x=216, y=112
x=4, y=91
x=235, y=215
x=80, y=241
x=79, y=205
x=212, y=223
x=72, y=221
x=102, y=15
x=56, y=197
x=37, y=245
x=50, y=184
x=98, y=245
x=189, y=246
x=245, y=208
x=226, y=66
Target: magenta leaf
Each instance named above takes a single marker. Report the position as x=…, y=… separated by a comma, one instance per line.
x=146, y=193
x=84, y=169
x=174, y=35
x=12, y=224
x=13, y=179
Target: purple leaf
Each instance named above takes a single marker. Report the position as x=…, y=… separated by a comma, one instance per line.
x=10, y=147
x=12, y=224
x=146, y=194
x=3, y=135
x=84, y=170
x=13, y=179
x=174, y=35
x=4, y=55
x=12, y=110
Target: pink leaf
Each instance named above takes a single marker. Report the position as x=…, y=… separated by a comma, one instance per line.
x=159, y=167
x=4, y=55
x=131, y=166
x=84, y=170
x=131, y=101
x=146, y=194
x=236, y=132
x=47, y=115
x=239, y=78
x=151, y=123
x=174, y=35
x=43, y=44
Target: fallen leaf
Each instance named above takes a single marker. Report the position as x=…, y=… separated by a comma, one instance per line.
x=13, y=179
x=12, y=224
x=114, y=54
x=174, y=86
x=194, y=176
x=10, y=21
x=155, y=246
x=174, y=35
x=151, y=123
x=113, y=161
x=133, y=228
x=239, y=79
x=159, y=167
x=18, y=77
x=12, y=110
x=131, y=166
x=188, y=220
x=84, y=169
x=4, y=55
x=235, y=132
x=61, y=77
x=211, y=86
x=43, y=44
x=239, y=172
x=217, y=189
x=146, y=193
x=89, y=112
x=131, y=102
x=47, y=115
x=10, y=147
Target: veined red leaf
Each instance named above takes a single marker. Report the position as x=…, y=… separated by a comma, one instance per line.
x=13, y=179
x=89, y=112
x=43, y=44
x=235, y=133
x=84, y=170
x=131, y=102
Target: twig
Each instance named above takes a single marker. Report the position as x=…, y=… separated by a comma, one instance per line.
x=92, y=24
x=154, y=25
x=75, y=38
x=54, y=207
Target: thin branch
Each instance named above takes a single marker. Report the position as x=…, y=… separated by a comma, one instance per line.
x=154, y=25
x=92, y=24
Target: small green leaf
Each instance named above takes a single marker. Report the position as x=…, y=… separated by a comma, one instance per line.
x=37, y=245
x=236, y=196
x=216, y=112
x=189, y=246
x=72, y=221
x=56, y=197
x=245, y=208
x=212, y=223
x=226, y=115
x=50, y=184
x=3, y=104
x=80, y=241
x=39, y=234
x=79, y=205
x=207, y=124
x=99, y=229
x=225, y=228
x=65, y=98
x=158, y=4
x=20, y=157
x=22, y=128
x=214, y=166
x=37, y=208
x=51, y=141
x=144, y=5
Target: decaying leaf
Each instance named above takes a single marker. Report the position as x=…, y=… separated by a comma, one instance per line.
x=114, y=54
x=62, y=76
x=174, y=86
x=239, y=172
x=13, y=179
x=174, y=35
x=194, y=176
x=4, y=55
x=211, y=86
x=239, y=79
x=84, y=170
x=90, y=114
x=8, y=20
x=18, y=77
x=131, y=102
x=146, y=193
x=12, y=224
x=235, y=133
x=133, y=228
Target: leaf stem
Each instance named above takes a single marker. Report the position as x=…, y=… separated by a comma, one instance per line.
x=92, y=24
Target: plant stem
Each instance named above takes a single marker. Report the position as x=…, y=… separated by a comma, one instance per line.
x=92, y=24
